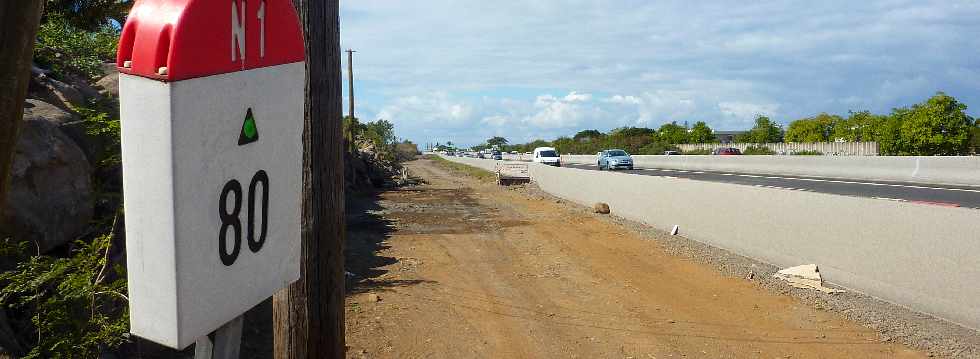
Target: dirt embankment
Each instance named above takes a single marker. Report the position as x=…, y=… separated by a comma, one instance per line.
x=458, y=269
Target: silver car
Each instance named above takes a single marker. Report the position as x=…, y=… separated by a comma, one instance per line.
x=614, y=159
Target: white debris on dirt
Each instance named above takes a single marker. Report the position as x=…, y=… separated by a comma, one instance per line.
x=676, y=230
x=805, y=276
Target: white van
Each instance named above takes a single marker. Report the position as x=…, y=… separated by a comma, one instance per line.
x=546, y=155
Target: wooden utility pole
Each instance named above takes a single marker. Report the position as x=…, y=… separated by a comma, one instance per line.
x=350, y=80
x=309, y=315
x=18, y=27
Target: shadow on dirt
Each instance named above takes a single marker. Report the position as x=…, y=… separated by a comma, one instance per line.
x=367, y=233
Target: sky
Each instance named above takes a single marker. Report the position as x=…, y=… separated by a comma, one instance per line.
x=467, y=70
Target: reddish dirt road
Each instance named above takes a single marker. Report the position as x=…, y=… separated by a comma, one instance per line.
x=461, y=269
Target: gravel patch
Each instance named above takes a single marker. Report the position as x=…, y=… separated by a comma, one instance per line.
x=894, y=323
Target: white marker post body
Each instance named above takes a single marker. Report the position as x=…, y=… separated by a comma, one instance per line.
x=212, y=160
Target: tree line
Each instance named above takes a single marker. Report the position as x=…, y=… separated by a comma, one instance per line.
x=938, y=126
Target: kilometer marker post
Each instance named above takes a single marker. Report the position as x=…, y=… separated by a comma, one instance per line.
x=212, y=110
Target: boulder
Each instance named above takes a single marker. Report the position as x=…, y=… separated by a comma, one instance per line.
x=108, y=85
x=69, y=123
x=50, y=90
x=601, y=208
x=35, y=109
x=84, y=88
x=50, y=199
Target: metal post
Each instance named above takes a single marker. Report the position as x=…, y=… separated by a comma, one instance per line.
x=350, y=80
x=224, y=343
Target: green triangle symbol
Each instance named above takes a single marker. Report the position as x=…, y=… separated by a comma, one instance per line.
x=250, y=132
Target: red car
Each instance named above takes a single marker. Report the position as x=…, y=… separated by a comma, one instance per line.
x=726, y=151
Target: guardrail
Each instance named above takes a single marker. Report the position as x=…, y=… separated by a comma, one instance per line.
x=960, y=170
x=827, y=148
x=922, y=257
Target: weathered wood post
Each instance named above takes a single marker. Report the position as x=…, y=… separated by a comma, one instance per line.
x=309, y=315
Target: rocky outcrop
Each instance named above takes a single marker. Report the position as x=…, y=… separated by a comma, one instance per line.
x=51, y=195
x=68, y=122
x=55, y=92
x=108, y=85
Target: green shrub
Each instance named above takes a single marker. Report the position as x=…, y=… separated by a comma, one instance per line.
x=702, y=151
x=757, y=150
x=808, y=153
x=77, y=304
x=66, y=49
x=99, y=123
x=655, y=148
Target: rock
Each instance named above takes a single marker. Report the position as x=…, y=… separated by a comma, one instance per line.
x=55, y=92
x=35, y=109
x=51, y=195
x=371, y=297
x=108, y=85
x=82, y=85
x=601, y=208
x=69, y=123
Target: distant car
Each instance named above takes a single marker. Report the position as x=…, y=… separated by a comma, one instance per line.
x=671, y=153
x=726, y=151
x=614, y=159
x=480, y=155
x=547, y=155
x=497, y=155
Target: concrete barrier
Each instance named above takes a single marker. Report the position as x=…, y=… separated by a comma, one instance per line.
x=922, y=257
x=956, y=170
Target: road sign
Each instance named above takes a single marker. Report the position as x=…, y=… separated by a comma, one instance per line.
x=211, y=97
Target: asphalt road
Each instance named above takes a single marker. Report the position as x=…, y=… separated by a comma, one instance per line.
x=941, y=195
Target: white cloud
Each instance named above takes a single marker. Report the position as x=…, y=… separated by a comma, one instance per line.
x=623, y=100
x=577, y=97
x=436, y=107
x=637, y=62
x=559, y=113
x=497, y=121
x=745, y=111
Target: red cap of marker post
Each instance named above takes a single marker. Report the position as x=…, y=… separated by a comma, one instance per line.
x=173, y=40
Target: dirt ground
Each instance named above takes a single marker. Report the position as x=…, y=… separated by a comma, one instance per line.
x=456, y=268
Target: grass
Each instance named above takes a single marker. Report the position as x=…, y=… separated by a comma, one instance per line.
x=702, y=151
x=459, y=168
x=758, y=150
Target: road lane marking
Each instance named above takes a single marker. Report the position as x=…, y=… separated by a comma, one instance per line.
x=821, y=180
x=839, y=181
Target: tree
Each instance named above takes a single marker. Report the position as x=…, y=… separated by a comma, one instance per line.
x=308, y=315
x=497, y=141
x=860, y=126
x=938, y=126
x=975, y=140
x=632, y=132
x=588, y=135
x=765, y=131
x=819, y=128
x=89, y=15
x=535, y=144
x=18, y=26
x=564, y=144
x=672, y=133
x=381, y=133
x=701, y=133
